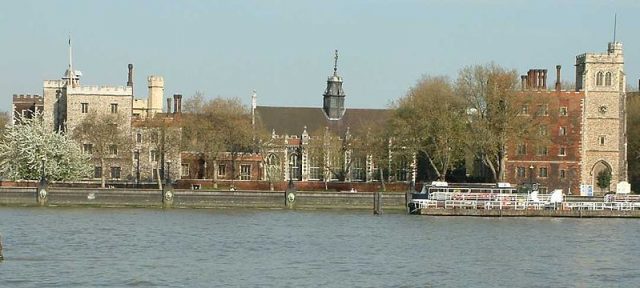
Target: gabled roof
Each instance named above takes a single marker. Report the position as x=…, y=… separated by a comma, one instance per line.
x=293, y=120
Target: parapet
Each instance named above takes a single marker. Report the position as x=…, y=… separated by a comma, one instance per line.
x=101, y=90
x=53, y=83
x=27, y=98
x=155, y=80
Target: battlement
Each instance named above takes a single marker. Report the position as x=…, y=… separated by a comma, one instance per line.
x=28, y=98
x=53, y=83
x=155, y=80
x=101, y=90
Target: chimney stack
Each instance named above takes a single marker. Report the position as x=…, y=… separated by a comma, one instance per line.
x=130, y=78
x=558, y=85
x=168, y=105
x=544, y=78
x=177, y=103
x=529, y=79
x=523, y=80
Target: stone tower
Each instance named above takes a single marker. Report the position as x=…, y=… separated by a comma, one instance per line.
x=601, y=77
x=156, y=94
x=333, y=104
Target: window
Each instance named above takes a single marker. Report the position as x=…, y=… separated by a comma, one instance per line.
x=245, y=172
x=154, y=156
x=563, y=111
x=136, y=155
x=85, y=107
x=521, y=149
x=524, y=110
x=543, y=151
x=87, y=148
x=542, y=131
x=115, y=172
x=315, y=173
x=185, y=169
x=599, y=77
x=543, y=172
x=563, y=151
x=543, y=110
x=520, y=172
x=97, y=172
x=563, y=173
x=562, y=131
x=114, y=108
x=113, y=149
x=357, y=170
x=139, y=137
x=601, y=140
x=607, y=79
x=222, y=170
x=294, y=166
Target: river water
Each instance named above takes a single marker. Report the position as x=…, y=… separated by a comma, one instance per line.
x=107, y=247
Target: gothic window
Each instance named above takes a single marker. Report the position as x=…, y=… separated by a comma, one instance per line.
x=607, y=79
x=315, y=171
x=599, y=77
x=357, y=169
x=114, y=108
x=601, y=140
x=294, y=166
x=85, y=107
x=138, y=137
x=185, y=169
x=154, y=155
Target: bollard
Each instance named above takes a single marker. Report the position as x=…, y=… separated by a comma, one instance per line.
x=377, y=203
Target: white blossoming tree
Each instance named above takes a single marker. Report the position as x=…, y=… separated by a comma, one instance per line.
x=24, y=146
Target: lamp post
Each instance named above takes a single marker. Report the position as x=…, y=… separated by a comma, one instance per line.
x=42, y=178
x=168, y=172
x=531, y=178
x=137, y=153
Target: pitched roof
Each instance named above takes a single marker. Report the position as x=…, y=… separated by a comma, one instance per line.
x=292, y=120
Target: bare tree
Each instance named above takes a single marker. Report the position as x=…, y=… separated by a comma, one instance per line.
x=216, y=126
x=633, y=138
x=430, y=120
x=492, y=112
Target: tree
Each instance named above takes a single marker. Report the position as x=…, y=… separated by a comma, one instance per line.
x=604, y=179
x=633, y=138
x=216, y=126
x=266, y=145
x=24, y=146
x=430, y=120
x=106, y=138
x=492, y=113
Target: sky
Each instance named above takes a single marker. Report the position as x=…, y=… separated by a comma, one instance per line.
x=284, y=49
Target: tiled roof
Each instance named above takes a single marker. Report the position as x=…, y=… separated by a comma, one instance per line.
x=292, y=120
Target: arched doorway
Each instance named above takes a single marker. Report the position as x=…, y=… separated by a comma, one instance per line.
x=598, y=170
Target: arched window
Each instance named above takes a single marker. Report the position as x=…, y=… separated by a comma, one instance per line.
x=272, y=159
x=607, y=79
x=294, y=166
x=599, y=77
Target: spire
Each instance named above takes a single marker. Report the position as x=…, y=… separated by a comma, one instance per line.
x=335, y=64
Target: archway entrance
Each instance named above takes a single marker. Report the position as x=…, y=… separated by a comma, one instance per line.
x=599, y=169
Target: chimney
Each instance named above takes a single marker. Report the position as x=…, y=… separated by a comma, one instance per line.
x=130, y=78
x=168, y=105
x=558, y=85
x=523, y=80
x=536, y=80
x=177, y=103
x=529, y=79
x=544, y=79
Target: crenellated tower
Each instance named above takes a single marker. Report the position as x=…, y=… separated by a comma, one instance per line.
x=601, y=77
x=156, y=94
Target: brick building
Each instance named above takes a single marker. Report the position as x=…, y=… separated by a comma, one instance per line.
x=586, y=126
